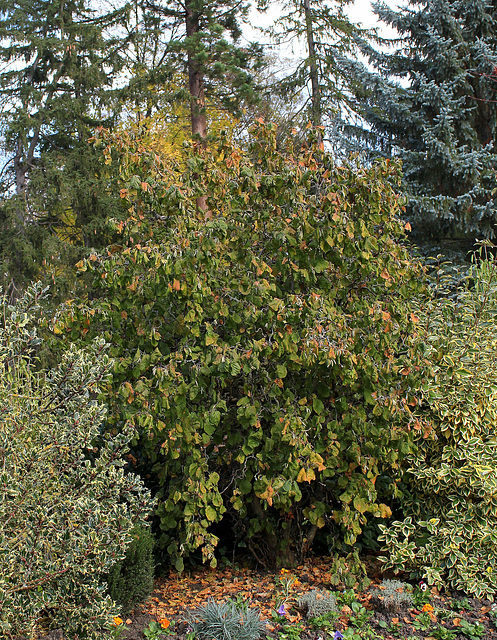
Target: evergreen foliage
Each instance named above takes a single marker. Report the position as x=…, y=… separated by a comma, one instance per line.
x=131, y=580
x=59, y=66
x=267, y=347
x=198, y=42
x=431, y=101
x=322, y=76
x=56, y=85
x=67, y=508
x=318, y=603
x=392, y=596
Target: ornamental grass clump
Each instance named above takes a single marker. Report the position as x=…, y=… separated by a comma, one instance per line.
x=67, y=508
x=226, y=621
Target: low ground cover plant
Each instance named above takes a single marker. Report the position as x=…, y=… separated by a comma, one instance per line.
x=230, y=620
x=67, y=508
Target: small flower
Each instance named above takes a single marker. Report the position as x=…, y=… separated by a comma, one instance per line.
x=283, y=571
x=281, y=610
x=297, y=582
x=423, y=586
x=117, y=621
x=337, y=636
x=427, y=608
x=164, y=623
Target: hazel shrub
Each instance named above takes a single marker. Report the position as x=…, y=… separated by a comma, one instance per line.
x=67, y=506
x=266, y=351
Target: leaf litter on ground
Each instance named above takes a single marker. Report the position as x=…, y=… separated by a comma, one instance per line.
x=175, y=595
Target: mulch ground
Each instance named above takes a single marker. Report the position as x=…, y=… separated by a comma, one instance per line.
x=175, y=595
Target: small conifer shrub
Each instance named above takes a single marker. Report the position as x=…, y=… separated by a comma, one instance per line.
x=226, y=621
x=131, y=580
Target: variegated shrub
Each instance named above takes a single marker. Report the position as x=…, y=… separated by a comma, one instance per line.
x=449, y=534
x=67, y=507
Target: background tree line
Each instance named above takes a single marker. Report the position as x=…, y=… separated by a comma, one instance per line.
x=427, y=99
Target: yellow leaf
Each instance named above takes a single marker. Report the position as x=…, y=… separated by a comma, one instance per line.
x=385, y=511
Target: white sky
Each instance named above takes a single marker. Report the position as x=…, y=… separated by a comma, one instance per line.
x=360, y=12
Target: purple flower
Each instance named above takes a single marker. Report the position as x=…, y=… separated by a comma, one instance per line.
x=337, y=636
x=281, y=610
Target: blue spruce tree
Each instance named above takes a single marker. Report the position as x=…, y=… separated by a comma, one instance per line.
x=432, y=102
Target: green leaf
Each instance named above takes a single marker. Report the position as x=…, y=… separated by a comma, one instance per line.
x=281, y=371
x=179, y=565
x=318, y=406
x=210, y=514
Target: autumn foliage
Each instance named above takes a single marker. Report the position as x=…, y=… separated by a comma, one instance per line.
x=266, y=349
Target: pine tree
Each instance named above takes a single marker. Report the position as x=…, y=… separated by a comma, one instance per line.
x=60, y=61
x=328, y=38
x=58, y=65
x=432, y=103
x=202, y=45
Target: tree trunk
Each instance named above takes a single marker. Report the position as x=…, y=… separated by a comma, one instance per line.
x=196, y=89
x=313, y=69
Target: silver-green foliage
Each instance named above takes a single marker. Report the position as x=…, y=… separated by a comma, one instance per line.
x=226, y=621
x=392, y=595
x=318, y=603
x=66, y=505
x=449, y=534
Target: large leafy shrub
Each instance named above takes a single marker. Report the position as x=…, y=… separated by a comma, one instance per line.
x=66, y=506
x=449, y=534
x=265, y=349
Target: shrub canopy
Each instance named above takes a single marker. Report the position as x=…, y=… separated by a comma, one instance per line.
x=265, y=350
x=66, y=506
x=449, y=534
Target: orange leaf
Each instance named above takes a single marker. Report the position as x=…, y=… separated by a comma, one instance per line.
x=176, y=285
x=384, y=274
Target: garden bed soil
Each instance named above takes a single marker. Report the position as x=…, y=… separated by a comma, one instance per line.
x=174, y=596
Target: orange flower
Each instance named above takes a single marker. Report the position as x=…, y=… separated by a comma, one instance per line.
x=427, y=608
x=164, y=623
x=297, y=582
x=283, y=571
x=117, y=621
